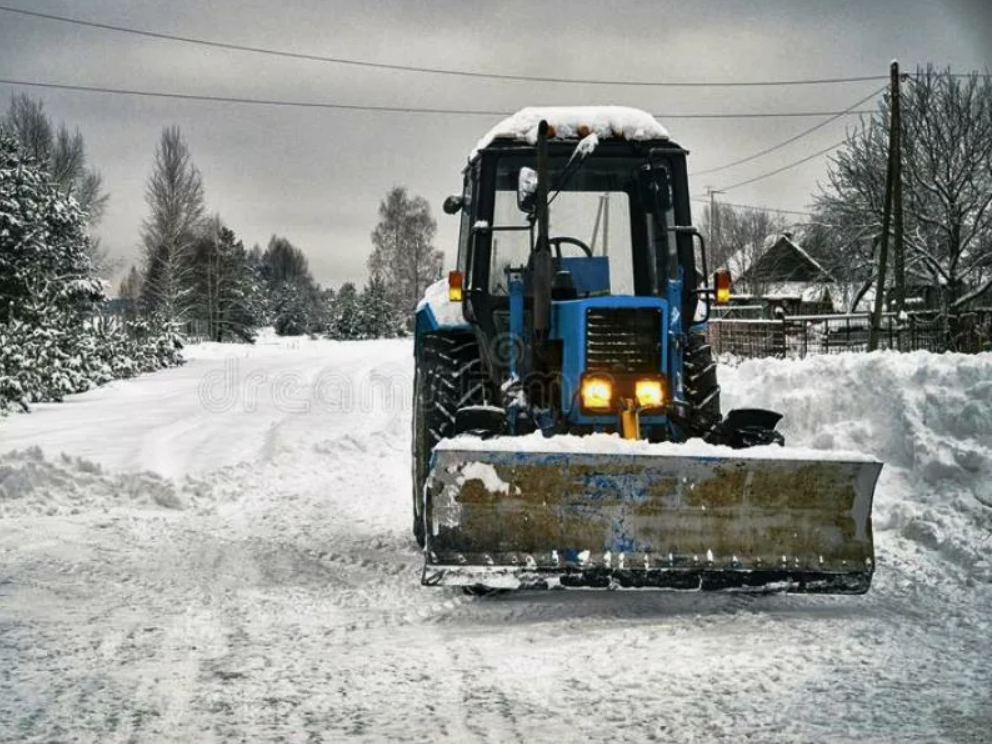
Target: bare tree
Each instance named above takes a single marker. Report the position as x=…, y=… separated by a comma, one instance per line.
x=175, y=197
x=61, y=152
x=947, y=188
x=403, y=255
x=739, y=236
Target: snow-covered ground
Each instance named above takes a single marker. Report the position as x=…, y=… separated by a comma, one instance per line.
x=222, y=552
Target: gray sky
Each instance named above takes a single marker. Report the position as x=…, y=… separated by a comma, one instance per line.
x=316, y=176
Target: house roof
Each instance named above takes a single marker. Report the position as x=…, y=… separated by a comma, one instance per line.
x=785, y=261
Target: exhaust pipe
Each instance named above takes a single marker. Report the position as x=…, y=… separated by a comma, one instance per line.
x=541, y=265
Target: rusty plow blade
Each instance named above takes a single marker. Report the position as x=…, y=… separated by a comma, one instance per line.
x=507, y=519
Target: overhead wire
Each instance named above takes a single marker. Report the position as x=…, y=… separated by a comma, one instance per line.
x=372, y=107
x=833, y=117
x=706, y=200
x=775, y=172
x=435, y=70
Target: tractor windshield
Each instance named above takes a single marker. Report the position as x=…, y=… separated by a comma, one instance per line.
x=596, y=215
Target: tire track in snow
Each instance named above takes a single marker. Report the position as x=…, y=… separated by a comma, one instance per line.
x=296, y=579
x=488, y=712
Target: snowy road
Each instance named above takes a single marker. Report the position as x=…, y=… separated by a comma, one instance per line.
x=272, y=594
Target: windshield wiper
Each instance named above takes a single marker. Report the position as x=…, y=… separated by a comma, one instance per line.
x=587, y=145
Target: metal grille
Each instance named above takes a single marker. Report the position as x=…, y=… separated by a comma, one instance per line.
x=623, y=339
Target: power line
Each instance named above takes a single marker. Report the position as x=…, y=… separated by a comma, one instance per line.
x=775, y=172
x=765, y=114
x=834, y=117
x=369, y=107
x=705, y=200
x=250, y=101
x=434, y=70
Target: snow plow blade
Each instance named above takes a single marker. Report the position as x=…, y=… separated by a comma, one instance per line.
x=507, y=520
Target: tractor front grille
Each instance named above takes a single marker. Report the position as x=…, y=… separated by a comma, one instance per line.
x=623, y=339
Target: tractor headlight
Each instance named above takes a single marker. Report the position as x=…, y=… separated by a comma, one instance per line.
x=649, y=393
x=597, y=393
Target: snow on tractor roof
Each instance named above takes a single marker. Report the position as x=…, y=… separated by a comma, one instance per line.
x=576, y=122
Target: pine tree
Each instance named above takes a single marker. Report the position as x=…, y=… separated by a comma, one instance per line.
x=326, y=317
x=61, y=153
x=294, y=296
x=347, y=321
x=44, y=250
x=377, y=316
x=52, y=342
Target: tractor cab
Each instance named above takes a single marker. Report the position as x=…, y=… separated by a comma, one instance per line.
x=578, y=264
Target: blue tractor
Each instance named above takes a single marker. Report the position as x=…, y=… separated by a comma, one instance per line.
x=567, y=428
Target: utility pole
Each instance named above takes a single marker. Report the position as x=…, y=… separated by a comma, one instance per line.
x=900, y=251
x=883, y=252
x=714, y=219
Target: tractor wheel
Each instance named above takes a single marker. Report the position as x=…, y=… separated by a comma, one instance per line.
x=448, y=377
x=702, y=391
x=419, y=440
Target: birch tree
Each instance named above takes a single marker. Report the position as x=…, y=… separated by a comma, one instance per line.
x=175, y=199
x=403, y=255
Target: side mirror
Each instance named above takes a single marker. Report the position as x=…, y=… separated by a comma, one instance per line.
x=527, y=190
x=453, y=204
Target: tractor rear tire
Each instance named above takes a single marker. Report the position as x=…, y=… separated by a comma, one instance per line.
x=448, y=377
x=418, y=440
x=702, y=391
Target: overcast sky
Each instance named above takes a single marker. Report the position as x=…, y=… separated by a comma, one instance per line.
x=316, y=176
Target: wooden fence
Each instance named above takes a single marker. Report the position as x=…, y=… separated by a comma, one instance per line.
x=799, y=336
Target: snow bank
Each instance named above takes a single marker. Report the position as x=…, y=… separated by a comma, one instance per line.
x=928, y=417
x=31, y=485
x=576, y=122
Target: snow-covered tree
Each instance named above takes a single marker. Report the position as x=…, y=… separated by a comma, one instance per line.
x=377, y=317
x=60, y=152
x=403, y=254
x=44, y=249
x=52, y=342
x=283, y=262
x=347, y=313
x=294, y=297
x=947, y=188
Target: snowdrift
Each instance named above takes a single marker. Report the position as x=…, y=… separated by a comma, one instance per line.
x=30, y=485
x=927, y=416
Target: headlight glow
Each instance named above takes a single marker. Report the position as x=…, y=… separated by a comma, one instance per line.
x=649, y=393
x=597, y=393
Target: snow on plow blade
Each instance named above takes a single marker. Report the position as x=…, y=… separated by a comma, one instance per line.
x=513, y=519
